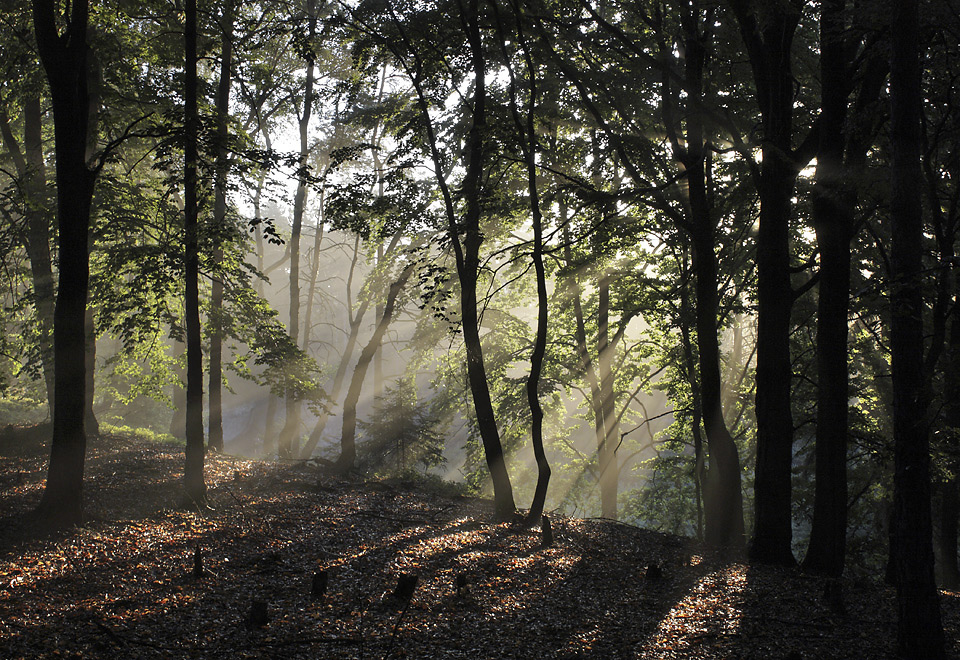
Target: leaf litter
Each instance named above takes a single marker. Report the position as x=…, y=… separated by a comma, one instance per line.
x=125, y=584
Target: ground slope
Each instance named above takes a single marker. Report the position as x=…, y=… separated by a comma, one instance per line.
x=124, y=584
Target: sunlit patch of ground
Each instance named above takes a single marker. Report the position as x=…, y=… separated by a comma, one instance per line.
x=122, y=586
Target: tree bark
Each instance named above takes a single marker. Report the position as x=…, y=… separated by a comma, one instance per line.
x=467, y=249
x=291, y=425
x=348, y=446
x=64, y=56
x=468, y=269
x=215, y=441
x=195, y=488
x=833, y=221
x=919, y=629
x=31, y=169
x=721, y=485
x=768, y=42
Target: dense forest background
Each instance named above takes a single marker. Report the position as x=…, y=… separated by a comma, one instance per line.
x=687, y=264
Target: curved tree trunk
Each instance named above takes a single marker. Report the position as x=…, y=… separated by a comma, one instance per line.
x=348, y=446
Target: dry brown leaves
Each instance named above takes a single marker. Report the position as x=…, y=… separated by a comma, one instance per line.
x=122, y=586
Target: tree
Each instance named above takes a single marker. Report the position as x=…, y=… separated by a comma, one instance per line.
x=348, y=449
x=219, y=220
x=64, y=53
x=291, y=427
x=919, y=629
x=463, y=230
x=768, y=31
x=841, y=155
x=193, y=481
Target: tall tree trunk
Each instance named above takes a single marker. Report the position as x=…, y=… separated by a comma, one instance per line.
x=585, y=364
x=833, y=221
x=65, y=60
x=291, y=425
x=193, y=481
x=768, y=40
x=530, y=152
x=468, y=269
x=348, y=446
x=720, y=483
x=215, y=441
x=919, y=629
x=467, y=251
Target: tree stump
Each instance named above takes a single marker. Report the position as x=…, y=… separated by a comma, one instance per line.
x=197, y=562
x=258, y=617
x=318, y=587
x=406, y=585
x=546, y=533
x=833, y=596
x=460, y=581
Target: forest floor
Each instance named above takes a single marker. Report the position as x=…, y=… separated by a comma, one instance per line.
x=123, y=585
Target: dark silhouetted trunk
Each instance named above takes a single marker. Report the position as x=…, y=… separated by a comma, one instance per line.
x=468, y=270
x=348, y=446
x=65, y=60
x=833, y=221
x=467, y=252
x=193, y=481
x=949, y=510
x=291, y=426
x=530, y=151
x=215, y=440
x=768, y=42
x=919, y=629
x=720, y=483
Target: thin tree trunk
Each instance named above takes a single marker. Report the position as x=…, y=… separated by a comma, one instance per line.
x=31, y=169
x=193, y=480
x=291, y=425
x=919, y=629
x=540, y=343
x=467, y=251
x=348, y=447
x=65, y=62
x=352, y=333
x=468, y=268
x=215, y=441
x=720, y=483
x=607, y=451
